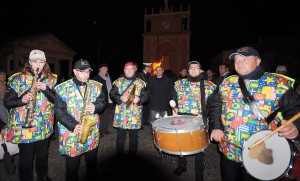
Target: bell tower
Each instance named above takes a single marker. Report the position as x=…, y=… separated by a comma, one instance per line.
x=167, y=35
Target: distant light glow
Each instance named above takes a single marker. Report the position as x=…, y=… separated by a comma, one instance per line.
x=156, y=64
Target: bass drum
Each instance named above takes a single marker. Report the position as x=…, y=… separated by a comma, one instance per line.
x=180, y=135
x=285, y=158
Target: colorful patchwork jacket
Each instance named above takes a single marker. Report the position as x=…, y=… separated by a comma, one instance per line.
x=43, y=119
x=128, y=117
x=237, y=117
x=69, y=107
x=189, y=96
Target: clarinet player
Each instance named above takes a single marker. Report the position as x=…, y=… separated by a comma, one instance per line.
x=30, y=99
x=78, y=102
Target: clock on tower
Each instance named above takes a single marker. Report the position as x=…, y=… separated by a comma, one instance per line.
x=165, y=25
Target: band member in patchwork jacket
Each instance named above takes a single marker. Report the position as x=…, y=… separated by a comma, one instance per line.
x=247, y=104
x=30, y=99
x=129, y=95
x=78, y=102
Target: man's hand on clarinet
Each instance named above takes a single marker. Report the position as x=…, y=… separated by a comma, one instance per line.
x=27, y=97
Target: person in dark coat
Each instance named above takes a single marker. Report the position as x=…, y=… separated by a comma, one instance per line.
x=145, y=75
x=171, y=75
x=224, y=72
x=159, y=88
x=104, y=78
x=183, y=73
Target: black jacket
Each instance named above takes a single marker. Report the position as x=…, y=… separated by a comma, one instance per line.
x=104, y=88
x=220, y=79
x=144, y=76
x=11, y=99
x=291, y=106
x=159, y=92
x=214, y=109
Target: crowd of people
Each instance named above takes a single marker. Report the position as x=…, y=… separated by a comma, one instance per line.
x=232, y=106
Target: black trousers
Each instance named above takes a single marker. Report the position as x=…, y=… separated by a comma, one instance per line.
x=233, y=171
x=105, y=118
x=72, y=165
x=28, y=151
x=145, y=113
x=133, y=140
x=199, y=165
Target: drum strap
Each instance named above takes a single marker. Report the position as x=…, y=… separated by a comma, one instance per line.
x=250, y=100
x=203, y=105
x=128, y=86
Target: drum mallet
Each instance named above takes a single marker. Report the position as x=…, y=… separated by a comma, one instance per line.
x=294, y=118
x=231, y=143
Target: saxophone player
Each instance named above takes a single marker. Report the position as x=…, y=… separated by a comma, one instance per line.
x=77, y=99
x=129, y=94
x=33, y=141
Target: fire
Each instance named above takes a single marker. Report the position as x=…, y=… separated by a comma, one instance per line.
x=156, y=64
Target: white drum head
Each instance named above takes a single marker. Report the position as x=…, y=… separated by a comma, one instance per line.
x=178, y=124
x=281, y=153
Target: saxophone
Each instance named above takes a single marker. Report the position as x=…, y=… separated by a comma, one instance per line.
x=131, y=97
x=86, y=120
x=31, y=104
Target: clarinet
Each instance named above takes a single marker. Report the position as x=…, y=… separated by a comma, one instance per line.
x=31, y=104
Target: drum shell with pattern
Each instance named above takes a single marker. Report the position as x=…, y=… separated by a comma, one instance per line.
x=180, y=135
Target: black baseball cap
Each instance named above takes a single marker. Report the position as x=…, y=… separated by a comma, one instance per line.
x=103, y=65
x=244, y=51
x=82, y=65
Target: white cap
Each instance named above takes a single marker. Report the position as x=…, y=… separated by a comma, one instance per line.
x=147, y=64
x=37, y=55
x=281, y=68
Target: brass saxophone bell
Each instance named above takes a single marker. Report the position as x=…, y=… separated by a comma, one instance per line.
x=89, y=121
x=86, y=120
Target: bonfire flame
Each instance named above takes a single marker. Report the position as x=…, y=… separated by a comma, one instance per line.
x=156, y=64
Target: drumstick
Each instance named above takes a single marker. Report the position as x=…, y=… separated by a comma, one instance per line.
x=236, y=145
x=276, y=130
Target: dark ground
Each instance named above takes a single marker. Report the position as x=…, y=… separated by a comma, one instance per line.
x=149, y=164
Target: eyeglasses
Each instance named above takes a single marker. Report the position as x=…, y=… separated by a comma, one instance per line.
x=37, y=61
x=194, y=68
x=84, y=71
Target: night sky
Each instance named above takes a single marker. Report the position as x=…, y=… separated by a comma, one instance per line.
x=215, y=25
